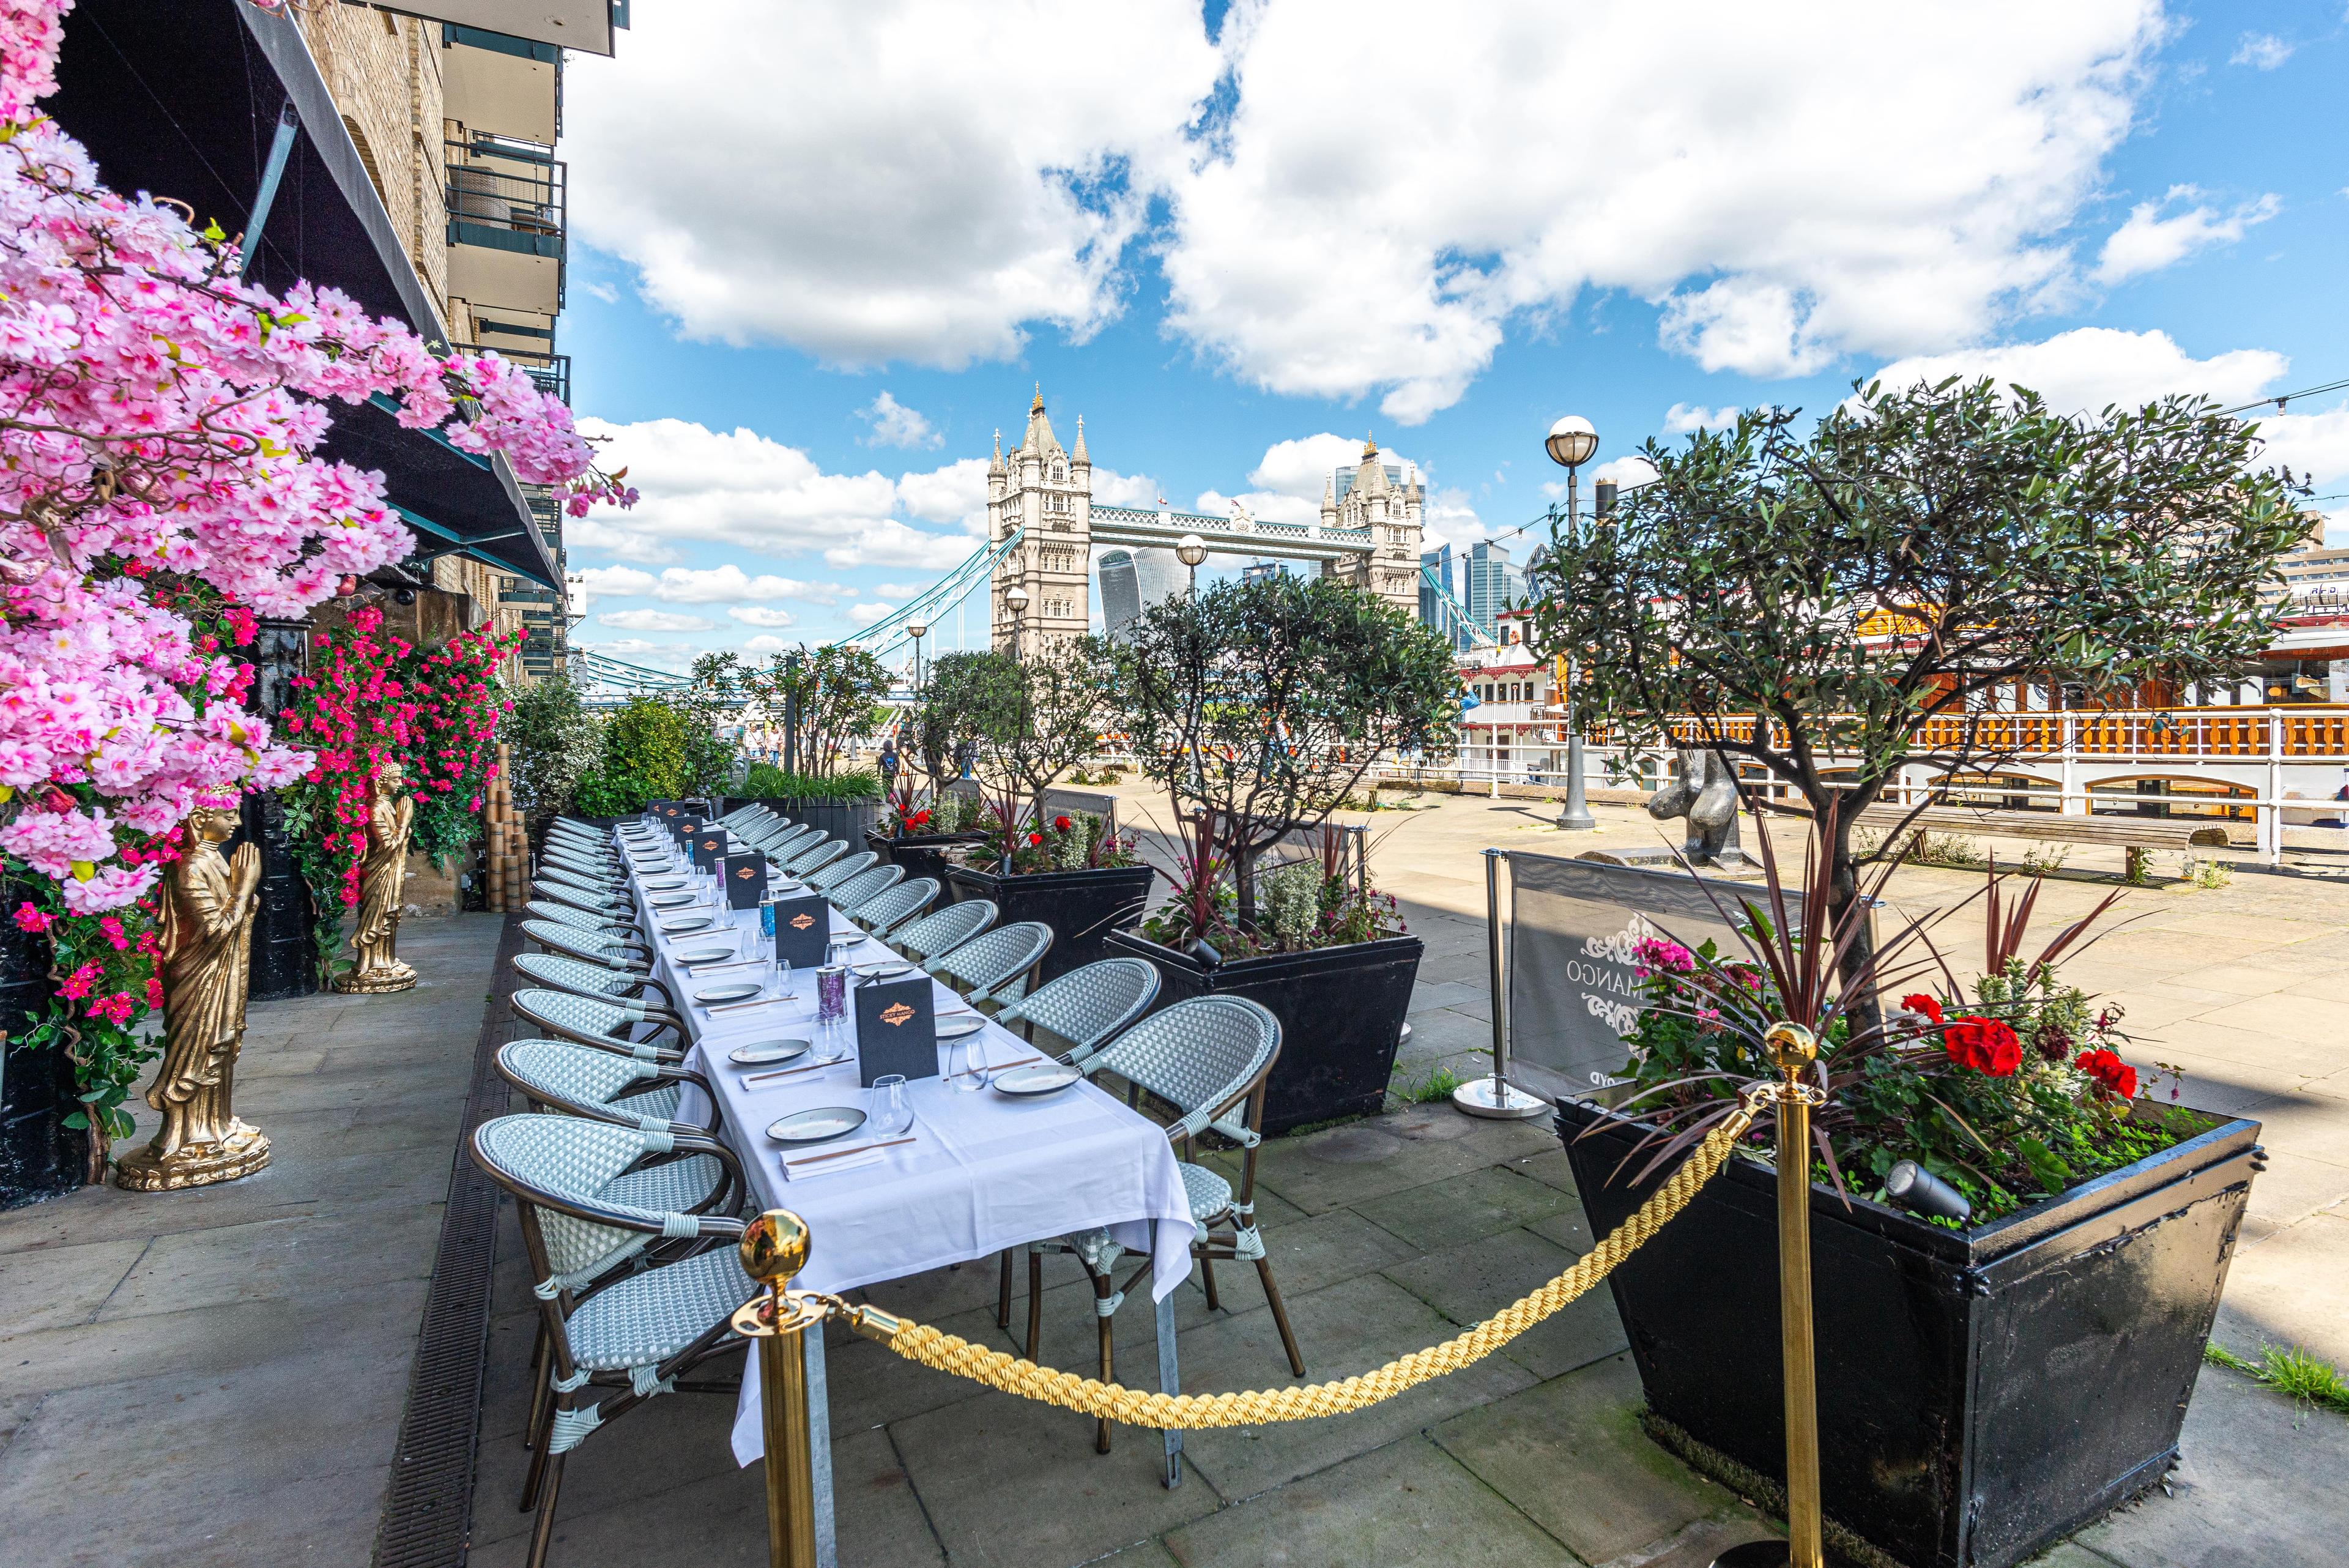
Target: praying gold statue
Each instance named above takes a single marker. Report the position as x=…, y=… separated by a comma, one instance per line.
x=375, y=943
x=205, y=938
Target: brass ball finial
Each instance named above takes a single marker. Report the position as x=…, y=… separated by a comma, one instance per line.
x=1791, y=1046
x=775, y=1247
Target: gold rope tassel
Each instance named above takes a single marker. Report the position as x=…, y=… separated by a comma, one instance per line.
x=1169, y=1412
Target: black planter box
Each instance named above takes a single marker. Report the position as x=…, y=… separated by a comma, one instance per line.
x=1341, y=1013
x=40, y=1157
x=1084, y=907
x=1982, y=1393
x=848, y=820
x=924, y=854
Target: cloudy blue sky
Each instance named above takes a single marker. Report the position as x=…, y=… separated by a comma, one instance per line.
x=823, y=251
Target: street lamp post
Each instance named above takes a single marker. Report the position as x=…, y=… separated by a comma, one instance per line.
x=1571, y=442
x=791, y=712
x=1015, y=600
x=917, y=630
x=1190, y=549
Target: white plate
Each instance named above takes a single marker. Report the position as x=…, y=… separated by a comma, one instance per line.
x=707, y=955
x=766, y=1052
x=956, y=1028
x=821, y=1125
x=691, y=923
x=742, y=990
x=670, y=900
x=884, y=970
x=1027, y=1083
x=666, y=884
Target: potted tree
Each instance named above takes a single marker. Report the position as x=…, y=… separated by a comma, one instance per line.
x=1260, y=706
x=827, y=696
x=1034, y=719
x=1990, y=1379
x=924, y=823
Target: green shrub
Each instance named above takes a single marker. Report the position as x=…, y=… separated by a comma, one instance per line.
x=764, y=781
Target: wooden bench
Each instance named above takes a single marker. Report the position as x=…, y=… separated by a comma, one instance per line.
x=2134, y=833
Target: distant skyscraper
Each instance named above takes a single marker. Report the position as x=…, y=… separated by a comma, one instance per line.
x=1432, y=612
x=1162, y=577
x=1257, y=570
x=1494, y=584
x=1121, y=593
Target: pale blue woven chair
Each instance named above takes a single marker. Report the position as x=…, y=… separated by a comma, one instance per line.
x=556, y=937
x=611, y=884
x=851, y=896
x=591, y=843
x=1208, y=1057
x=904, y=902
x=611, y=1342
x=584, y=919
x=833, y=873
x=994, y=969
x=605, y=1025
x=585, y=977
x=813, y=855
x=581, y=1081
x=742, y=816
x=608, y=907
x=947, y=929
x=578, y=865
x=779, y=841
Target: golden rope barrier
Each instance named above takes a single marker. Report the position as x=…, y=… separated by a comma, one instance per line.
x=1189, y=1412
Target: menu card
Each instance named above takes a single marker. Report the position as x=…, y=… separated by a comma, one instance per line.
x=710, y=845
x=896, y=1029
x=802, y=931
x=746, y=881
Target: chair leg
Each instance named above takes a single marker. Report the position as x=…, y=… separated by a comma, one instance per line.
x=1035, y=1299
x=1103, y=1284
x=1279, y=1317
x=1207, y=1278
x=542, y=1531
x=536, y=1476
x=541, y=1398
x=1003, y=1294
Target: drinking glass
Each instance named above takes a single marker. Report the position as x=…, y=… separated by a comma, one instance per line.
x=832, y=992
x=966, y=1068
x=890, y=1110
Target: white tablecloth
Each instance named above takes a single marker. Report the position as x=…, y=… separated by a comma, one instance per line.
x=986, y=1172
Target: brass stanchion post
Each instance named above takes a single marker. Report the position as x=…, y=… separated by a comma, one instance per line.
x=774, y=1248
x=1794, y=1049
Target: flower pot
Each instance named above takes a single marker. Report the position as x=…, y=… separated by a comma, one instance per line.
x=1341, y=1012
x=1084, y=907
x=848, y=820
x=1982, y=1393
x=40, y=1157
x=923, y=854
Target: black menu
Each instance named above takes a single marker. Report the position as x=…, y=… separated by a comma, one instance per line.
x=710, y=845
x=802, y=931
x=896, y=1029
x=746, y=881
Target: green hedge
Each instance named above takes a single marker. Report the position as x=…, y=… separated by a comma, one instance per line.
x=767, y=782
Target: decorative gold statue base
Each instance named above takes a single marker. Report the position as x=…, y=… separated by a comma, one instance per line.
x=376, y=967
x=245, y=1150
x=390, y=977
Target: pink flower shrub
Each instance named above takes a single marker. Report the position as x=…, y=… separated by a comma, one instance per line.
x=162, y=421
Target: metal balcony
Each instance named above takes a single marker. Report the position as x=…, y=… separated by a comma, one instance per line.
x=510, y=199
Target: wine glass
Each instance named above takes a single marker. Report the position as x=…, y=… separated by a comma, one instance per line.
x=966, y=1066
x=891, y=1109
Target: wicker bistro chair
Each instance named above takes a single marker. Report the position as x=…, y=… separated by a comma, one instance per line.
x=813, y=855
x=612, y=908
x=592, y=1020
x=834, y=872
x=850, y=896
x=584, y=838
x=894, y=908
x=611, y=884
x=742, y=816
x=578, y=865
x=1208, y=1057
x=583, y=977
x=610, y=1346
x=942, y=931
x=584, y=920
x=580, y=1081
x=611, y=952
x=997, y=966
x=775, y=843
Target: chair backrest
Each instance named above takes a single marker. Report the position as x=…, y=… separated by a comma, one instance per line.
x=582, y=900
x=591, y=1020
x=776, y=843
x=577, y=1079
x=947, y=929
x=897, y=904
x=586, y=881
x=994, y=965
x=815, y=857
x=547, y=910
x=851, y=897
x=1200, y=1056
x=546, y=1161
x=742, y=816
x=572, y=942
x=1086, y=1005
x=580, y=977
x=835, y=872
x=578, y=866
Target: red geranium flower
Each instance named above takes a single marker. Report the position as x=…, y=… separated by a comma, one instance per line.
x=1061, y=825
x=1920, y=1003
x=1985, y=1044
x=1035, y=838
x=2113, y=1076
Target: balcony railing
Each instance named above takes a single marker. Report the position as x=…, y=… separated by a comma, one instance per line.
x=508, y=196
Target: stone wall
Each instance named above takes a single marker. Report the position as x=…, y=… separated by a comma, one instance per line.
x=385, y=73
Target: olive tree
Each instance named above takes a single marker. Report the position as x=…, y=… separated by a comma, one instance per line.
x=1034, y=718
x=1265, y=704
x=1839, y=605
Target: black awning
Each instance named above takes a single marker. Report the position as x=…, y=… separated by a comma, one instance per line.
x=182, y=99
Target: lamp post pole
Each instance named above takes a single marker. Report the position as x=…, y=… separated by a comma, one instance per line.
x=1015, y=599
x=792, y=713
x=1190, y=549
x=916, y=630
x=1571, y=442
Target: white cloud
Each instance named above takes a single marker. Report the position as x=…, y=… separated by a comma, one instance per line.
x=759, y=615
x=654, y=621
x=603, y=291
x=763, y=643
x=895, y=424
x=898, y=590
x=865, y=615
x=2090, y=367
x=1682, y=417
x=636, y=650
x=1742, y=168
x=728, y=583
x=742, y=489
x=917, y=181
x=2263, y=51
x=1289, y=480
x=2315, y=446
x=2149, y=242
x=1630, y=471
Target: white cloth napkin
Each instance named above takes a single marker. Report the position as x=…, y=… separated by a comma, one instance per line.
x=826, y=1167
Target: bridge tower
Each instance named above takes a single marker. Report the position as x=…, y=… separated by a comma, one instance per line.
x=1048, y=492
x=1387, y=502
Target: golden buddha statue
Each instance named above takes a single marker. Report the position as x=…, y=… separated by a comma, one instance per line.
x=205, y=942
x=375, y=965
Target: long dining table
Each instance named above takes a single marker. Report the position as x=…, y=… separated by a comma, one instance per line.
x=983, y=1171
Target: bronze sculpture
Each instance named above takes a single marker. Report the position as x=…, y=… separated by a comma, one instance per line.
x=1705, y=793
x=375, y=943
x=205, y=943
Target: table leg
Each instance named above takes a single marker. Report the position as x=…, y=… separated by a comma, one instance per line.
x=827, y=1550
x=1170, y=1380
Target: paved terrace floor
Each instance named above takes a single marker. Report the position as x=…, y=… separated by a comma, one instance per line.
x=215, y=1377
